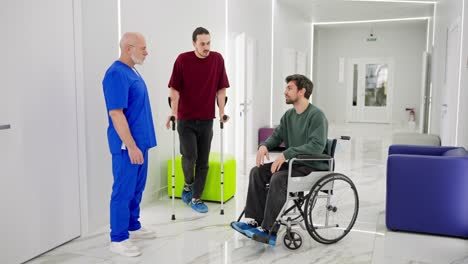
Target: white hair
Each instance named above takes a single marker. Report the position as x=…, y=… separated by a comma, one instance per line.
x=129, y=38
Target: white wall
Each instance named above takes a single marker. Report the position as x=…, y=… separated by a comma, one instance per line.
x=463, y=116
x=293, y=32
x=168, y=27
x=403, y=41
x=253, y=17
x=99, y=42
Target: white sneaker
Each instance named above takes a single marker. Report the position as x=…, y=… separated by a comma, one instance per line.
x=125, y=248
x=142, y=233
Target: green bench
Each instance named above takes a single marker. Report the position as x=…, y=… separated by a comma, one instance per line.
x=212, y=190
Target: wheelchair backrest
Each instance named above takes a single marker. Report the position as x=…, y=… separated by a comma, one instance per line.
x=330, y=147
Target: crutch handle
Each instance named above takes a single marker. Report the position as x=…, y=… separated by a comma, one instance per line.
x=173, y=122
x=225, y=117
x=172, y=117
x=221, y=123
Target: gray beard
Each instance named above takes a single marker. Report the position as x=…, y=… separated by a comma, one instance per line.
x=136, y=61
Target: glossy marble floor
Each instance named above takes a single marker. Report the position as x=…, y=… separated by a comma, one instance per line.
x=207, y=238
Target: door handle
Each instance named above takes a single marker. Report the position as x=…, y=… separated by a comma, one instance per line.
x=246, y=104
x=5, y=127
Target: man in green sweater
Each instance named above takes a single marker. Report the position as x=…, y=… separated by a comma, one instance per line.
x=304, y=130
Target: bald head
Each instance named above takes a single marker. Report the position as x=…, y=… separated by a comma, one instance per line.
x=131, y=39
x=133, y=48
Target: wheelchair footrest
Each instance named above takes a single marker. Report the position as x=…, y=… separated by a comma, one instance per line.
x=270, y=240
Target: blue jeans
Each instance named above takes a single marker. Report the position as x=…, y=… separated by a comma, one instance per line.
x=127, y=190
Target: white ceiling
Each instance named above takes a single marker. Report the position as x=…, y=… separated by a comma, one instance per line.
x=346, y=10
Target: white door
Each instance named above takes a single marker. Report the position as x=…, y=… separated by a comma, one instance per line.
x=450, y=91
x=244, y=68
x=39, y=189
x=369, y=93
x=250, y=136
x=239, y=82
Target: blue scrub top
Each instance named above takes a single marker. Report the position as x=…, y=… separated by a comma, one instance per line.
x=125, y=89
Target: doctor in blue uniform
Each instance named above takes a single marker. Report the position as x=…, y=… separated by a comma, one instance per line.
x=130, y=135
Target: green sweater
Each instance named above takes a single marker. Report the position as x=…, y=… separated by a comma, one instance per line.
x=304, y=133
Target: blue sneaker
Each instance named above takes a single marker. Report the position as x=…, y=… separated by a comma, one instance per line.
x=199, y=206
x=242, y=227
x=260, y=235
x=187, y=196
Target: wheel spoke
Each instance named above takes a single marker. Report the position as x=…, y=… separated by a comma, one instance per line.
x=331, y=208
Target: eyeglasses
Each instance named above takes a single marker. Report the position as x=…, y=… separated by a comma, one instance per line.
x=142, y=48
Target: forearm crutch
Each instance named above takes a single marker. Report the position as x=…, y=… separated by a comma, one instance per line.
x=173, y=161
x=221, y=125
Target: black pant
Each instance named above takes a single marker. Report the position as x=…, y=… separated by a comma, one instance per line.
x=264, y=204
x=195, y=142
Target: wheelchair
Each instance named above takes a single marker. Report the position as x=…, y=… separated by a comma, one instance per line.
x=324, y=203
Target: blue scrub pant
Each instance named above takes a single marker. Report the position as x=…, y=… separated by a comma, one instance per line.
x=127, y=190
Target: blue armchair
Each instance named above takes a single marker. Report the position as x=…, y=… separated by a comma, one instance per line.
x=427, y=190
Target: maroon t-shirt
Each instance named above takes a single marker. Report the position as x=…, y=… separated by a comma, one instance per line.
x=197, y=81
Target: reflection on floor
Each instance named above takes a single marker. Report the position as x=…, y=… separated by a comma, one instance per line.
x=196, y=238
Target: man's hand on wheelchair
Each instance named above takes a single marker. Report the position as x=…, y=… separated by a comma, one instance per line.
x=262, y=152
x=277, y=163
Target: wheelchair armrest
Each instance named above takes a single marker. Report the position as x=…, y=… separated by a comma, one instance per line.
x=313, y=157
x=310, y=158
x=277, y=149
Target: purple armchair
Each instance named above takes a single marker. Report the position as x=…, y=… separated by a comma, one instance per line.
x=427, y=190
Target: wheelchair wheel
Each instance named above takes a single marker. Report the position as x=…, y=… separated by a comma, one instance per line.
x=292, y=240
x=331, y=208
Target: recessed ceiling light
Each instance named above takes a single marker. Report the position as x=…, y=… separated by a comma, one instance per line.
x=371, y=21
x=397, y=1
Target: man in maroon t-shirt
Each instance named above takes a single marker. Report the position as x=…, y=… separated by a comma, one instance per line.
x=198, y=79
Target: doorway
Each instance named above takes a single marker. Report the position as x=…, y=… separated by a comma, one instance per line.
x=370, y=88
